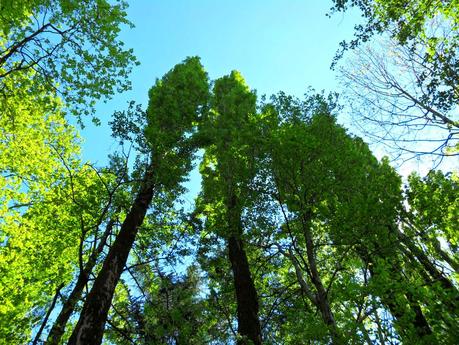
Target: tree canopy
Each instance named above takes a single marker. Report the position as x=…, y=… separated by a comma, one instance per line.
x=64, y=46
x=298, y=234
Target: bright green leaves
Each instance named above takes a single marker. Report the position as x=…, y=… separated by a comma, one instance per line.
x=49, y=202
x=405, y=20
x=232, y=101
x=41, y=241
x=73, y=48
x=35, y=143
x=38, y=152
x=434, y=212
x=229, y=160
x=231, y=126
x=177, y=102
x=228, y=168
x=412, y=17
x=340, y=206
x=317, y=214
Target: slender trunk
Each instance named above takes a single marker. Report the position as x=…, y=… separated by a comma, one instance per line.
x=449, y=295
x=299, y=277
x=445, y=256
x=436, y=245
x=420, y=322
x=58, y=329
x=378, y=325
x=427, y=264
x=246, y=294
x=321, y=295
x=401, y=314
x=90, y=327
x=48, y=313
x=401, y=311
x=365, y=334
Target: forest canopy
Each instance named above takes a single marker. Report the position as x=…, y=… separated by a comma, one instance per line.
x=298, y=233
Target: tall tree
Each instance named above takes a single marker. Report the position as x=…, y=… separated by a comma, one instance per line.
x=340, y=208
x=307, y=187
x=176, y=102
x=227, y=169
x=96, y=230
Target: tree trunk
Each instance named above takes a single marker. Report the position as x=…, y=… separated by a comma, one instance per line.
x=246, y=294
x=48, y=313
x=90, y=327
x=450, y=299
x=427, y=263
x=402, y=311
x=321, y=295
x=420, y=322
x=58, y=329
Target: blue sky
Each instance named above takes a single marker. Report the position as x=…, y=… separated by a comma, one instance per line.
x=276, y=44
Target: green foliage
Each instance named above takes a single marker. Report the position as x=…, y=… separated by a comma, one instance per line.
x=434, y=204
x=321, y=219
x=41, y=247
x=70, y=46
x=50, y=202
x=39, y=220
x=411, y=17
x=228, y=163
x=177, y=102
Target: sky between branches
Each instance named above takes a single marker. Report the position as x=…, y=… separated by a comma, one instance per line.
x=276, y=45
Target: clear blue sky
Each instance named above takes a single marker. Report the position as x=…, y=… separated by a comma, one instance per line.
x=276, y=44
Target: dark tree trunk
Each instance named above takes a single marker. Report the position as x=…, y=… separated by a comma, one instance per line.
x=420, y=322
x=449, y=294
x=403, y=311
x=58, y=329
x=427, y=263
x=90, y=327
x=48, y=313
x=246, y=294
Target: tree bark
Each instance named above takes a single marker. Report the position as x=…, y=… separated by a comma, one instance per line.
x=322, y=301
x=449, y=300
x=246, y=294
x=420, y=322
x=402, y=311
x=426, y=263
x=58, y=329
x=48, y=313
x=90, y=327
